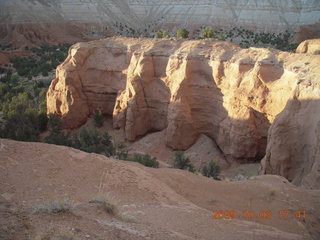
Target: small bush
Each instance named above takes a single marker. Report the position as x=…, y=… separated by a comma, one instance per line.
x=145, y=160
x=207, y=33
x=121, y=151
x=58, y=139
x=55, y=206
x=182, y=162
x=54, y=123
x=87, y=140
x=98, y=118
x=158, y=35
x=56, y=136
x=91, y=141
x=182, y=33
x=212, y=170
x=162, y=34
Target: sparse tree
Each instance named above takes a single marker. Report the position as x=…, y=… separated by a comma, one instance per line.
x=98, y=118
x=108, y=147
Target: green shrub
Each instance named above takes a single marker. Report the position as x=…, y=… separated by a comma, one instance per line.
x=182, y=162
x=182, y=33
x=158, y=34
x=121, y=151
x=56, y=136
x=212, y=170
x=207, y=33
x=108, y=147
x=165, y=34
x=58, y=139
x=91, y=141
x=54, y=123
x=43, y=121
x=98, y=118
x=88, y=141
x=144, y=159
x=162, y=34
x=21, y=119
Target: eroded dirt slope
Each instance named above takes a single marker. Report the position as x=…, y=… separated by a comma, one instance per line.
x=164, y=203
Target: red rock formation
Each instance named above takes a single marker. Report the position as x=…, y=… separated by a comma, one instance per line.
x=189, y=88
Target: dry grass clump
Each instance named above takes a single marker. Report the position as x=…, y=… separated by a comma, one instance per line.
x=106, y=202
x=55, y=206
x=129, y=213
x=127, y=217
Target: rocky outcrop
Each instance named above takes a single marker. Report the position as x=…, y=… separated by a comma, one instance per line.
x=194, y=88
x=294, y=138
x=89, y=79
x=309, y=46
x=293, y=149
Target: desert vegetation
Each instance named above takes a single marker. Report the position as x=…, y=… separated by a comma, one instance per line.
x=162, y=34
x=245, y=38
x=55, y=206
x=42, y=61
x=212, y=170
x=105, y=202
x=182, y=33
x=144, y=159
x=98, y=118
x=180, y=161
x=92, y=141
x=23, y=87
x=24, y=108
x=207, y=32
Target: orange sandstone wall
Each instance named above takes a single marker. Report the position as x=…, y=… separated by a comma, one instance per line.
x=190, y=88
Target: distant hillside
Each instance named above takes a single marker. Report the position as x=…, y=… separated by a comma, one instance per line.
x=31, y=21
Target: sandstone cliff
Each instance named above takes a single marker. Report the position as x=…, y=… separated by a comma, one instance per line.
x=190, y=88
x=309, y=46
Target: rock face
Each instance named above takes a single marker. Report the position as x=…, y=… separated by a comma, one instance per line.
x=294, y=138
x=309, y=46
x=190, y=88
x=89, y=79
x=32, y=22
